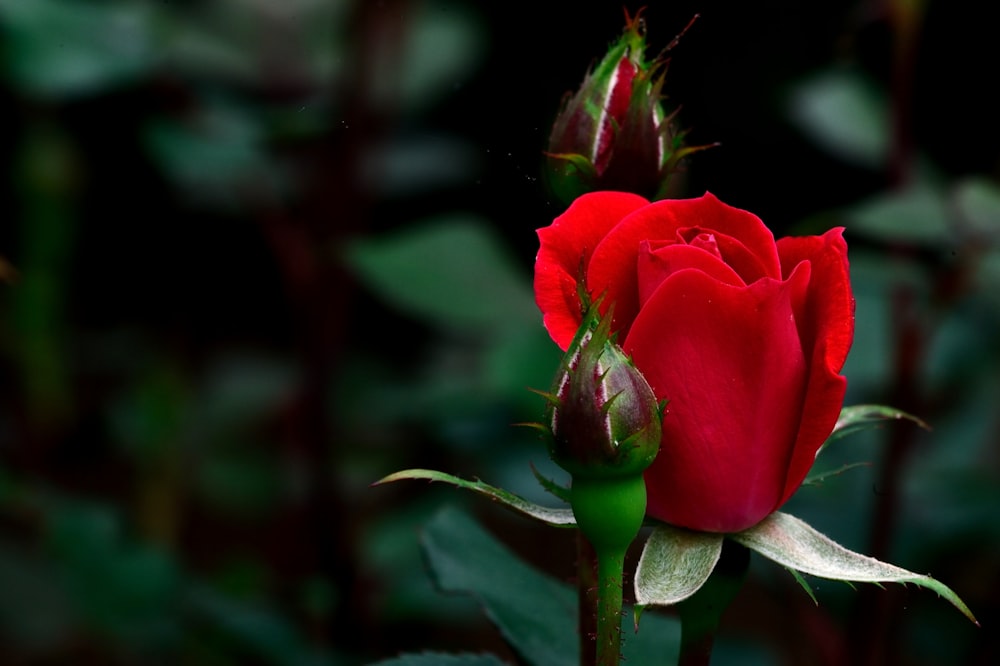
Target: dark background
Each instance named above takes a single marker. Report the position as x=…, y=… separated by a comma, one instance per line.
x=211, y=342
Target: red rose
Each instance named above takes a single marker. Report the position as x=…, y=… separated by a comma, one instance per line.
x=744, y=336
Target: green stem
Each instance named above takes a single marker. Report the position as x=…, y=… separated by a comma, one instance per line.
x=609, y=512
x=702, y=612
x=610, y=567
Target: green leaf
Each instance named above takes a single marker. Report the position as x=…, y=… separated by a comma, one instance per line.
x=534, y=612
x=978, y=201
x=918, y=215
x=436, y=51
x=258, y=628
x=793, y=544
x=441, y=659
x=555, y=517
x=846, y=115
x=815, y=479
x=452, y=273
x=859, y=417
x=674, y=564
x=59, y=47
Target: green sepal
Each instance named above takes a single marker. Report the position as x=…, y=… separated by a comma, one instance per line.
x=548, y=515
x=551, y=486
x=674, y=564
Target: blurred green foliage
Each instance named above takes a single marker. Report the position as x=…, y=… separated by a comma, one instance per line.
x=256, y=254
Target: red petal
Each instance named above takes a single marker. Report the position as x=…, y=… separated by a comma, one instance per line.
x=657, y=264
x=565, y=249
x=729, y=361
x=826, y=326
x=612, y=267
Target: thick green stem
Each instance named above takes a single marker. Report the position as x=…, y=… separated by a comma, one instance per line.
x=610, y=567
x=609, y=512
x=701, y=613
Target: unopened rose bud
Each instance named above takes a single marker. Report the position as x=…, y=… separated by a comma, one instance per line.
x=613, y=133
x=603, y=417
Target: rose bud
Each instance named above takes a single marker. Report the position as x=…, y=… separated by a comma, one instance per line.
x=604, y=427
x=604, y=419
x=744, y=335
x=613, y=134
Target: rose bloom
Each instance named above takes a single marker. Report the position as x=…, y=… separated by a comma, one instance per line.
x=744, y=336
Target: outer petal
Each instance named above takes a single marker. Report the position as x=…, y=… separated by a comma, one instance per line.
x=825, y=318
x=612, y=267
x=565, y=250
x=730, y=363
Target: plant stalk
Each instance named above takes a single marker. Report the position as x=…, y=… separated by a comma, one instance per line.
x=610, y=567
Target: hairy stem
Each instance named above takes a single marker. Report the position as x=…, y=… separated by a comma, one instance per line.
x=610, y=567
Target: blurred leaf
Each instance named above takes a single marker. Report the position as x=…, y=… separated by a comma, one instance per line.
x=987, y=277
x=152, y=418
x=240, y=389
x=525, y=358
x=555, y=517
x=846, y=115
x=216, y=157
x=255, y=628
x=439, y=659
x=534, y=612
x=68, y=47
x=122, y=588
x=454, y=273
x=438, y=50
x=876, y=279
x=918, y=215
x=978, y=201
x=48, y=167
x=793, y=544
x=407, y=166
x=35, y=612
x=222, y=40
x=243, y=482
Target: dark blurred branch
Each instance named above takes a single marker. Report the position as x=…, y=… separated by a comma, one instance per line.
x=335, y=207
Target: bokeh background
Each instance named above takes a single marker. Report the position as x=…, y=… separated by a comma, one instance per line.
x=257, y=254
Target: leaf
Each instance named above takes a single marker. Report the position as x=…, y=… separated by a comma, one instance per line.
x=674, y=564
x=441, y=659
x=536, y=613
x=858, y=417
x=792, y=543
x=453, y=273
x=258, y=628
x=555, y=517
x=817, y=478
x=846, y=115
x=978, y=201
x=918, y=215
x=58, y=48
